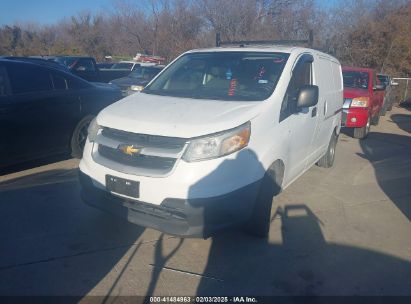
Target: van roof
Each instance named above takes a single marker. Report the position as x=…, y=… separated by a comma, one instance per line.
x=264, y=48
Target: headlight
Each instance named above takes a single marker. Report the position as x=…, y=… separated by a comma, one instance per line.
x=136, y=87
x=217, y=145
x=359, y=102
x=92, y=130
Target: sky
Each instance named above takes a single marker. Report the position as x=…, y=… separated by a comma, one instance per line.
x=48, y=11
x=45, y=12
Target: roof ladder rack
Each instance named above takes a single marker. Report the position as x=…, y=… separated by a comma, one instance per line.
x=243, y=43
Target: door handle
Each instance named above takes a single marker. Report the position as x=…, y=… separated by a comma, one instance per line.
x=314, y=112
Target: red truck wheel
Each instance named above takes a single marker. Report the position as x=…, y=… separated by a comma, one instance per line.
x=361, y=133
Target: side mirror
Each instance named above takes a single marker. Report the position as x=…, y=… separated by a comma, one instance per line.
x=307, y=97
x=379, y=87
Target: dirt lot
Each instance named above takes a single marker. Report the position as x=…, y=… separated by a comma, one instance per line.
x=344, y=231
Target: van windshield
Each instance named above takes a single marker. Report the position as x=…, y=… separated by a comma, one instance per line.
x=354, y=79
x=221, y=75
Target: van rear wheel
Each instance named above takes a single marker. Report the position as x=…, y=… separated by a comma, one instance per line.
x=327, y=161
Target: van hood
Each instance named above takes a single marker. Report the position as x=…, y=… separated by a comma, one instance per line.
x=176, y=117
x=355, y=92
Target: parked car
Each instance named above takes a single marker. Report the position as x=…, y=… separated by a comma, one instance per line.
x=45, y=111
x=363, y=100
x=213, y=137
x=39, y=61
x=137, y=79
x=104, y=65
x=389, y=94
x=125, y=65
x=86, y=68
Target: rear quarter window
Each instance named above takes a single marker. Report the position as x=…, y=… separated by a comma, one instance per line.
x=75, y=83
x=59, y=82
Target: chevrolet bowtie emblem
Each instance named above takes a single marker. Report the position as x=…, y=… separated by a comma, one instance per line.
x=129, y=149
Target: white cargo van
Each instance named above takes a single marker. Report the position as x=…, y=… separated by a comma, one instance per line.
x=211, y=140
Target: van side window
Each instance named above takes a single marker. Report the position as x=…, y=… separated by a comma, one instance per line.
x=302, y=75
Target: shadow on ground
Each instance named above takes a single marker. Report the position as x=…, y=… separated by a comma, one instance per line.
x=51, y=242
x=33, y=164
x=403, y=121
x=390, y=157
x=304, y=263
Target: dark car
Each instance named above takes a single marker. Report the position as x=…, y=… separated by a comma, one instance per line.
x=40, y=61
x=105, y=65
x=45, y=111
x=86, y=68
x=137, y=79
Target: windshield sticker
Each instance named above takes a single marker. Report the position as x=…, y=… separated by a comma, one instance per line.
x=233, y=85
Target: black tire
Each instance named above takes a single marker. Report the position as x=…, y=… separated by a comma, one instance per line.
x=79, y=137
x=259, y=223
x=327, y=161
x=362, y=133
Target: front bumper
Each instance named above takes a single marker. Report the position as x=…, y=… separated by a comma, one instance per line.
x=354, y=117
x=199, y=217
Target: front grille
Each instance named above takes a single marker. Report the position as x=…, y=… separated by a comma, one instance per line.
x=144, y=140
x=140, y=161
x=158, y=154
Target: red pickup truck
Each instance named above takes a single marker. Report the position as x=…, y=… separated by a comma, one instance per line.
x=363, y=100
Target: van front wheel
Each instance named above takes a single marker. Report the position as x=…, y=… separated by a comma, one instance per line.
x=259, y=223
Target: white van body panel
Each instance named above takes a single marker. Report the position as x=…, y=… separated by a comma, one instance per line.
x=297, y=142
x=176, y=117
